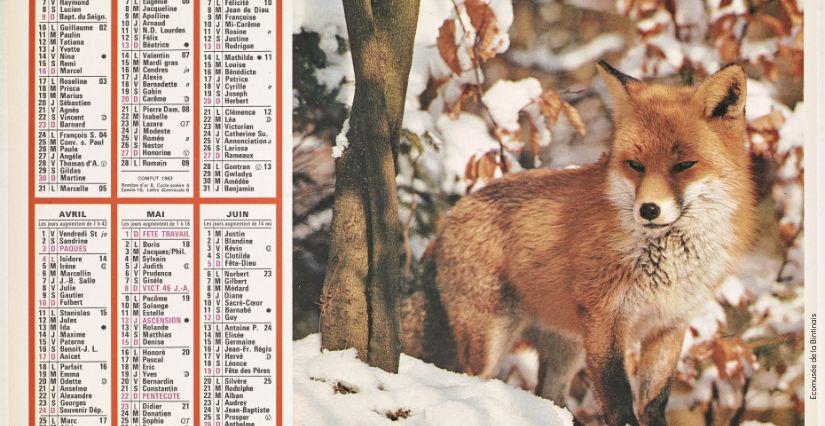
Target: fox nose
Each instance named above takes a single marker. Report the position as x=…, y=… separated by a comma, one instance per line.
x=649, y=211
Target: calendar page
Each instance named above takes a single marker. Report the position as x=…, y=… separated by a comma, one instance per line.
x=151, y=136
x=424, y=212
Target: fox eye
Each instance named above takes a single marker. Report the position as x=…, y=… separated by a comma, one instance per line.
x=684, y=165
x=636, y=166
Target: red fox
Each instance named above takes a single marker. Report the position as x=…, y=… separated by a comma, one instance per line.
x=585, y=262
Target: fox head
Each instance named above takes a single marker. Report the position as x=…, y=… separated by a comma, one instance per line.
x=678, y=153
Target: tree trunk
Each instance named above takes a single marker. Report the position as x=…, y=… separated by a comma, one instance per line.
x=360, y=295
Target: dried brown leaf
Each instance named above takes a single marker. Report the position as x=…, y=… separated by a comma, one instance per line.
x=787, y=232
x=769, y=68
x=770, y=121
x=401, y=413
x=723, y=25
x=729, y=47
x=670, y=6
x=483, y=20
x=551, y=105
x=447, y=47
x=628, y=7
x=535, y=138
x=509, y=138
x=732, y=357
x=575, y=119
x=776, y=25
x=656, y=29
x=792, y=10
x=793, y=58
x=481, y=15
x=468, y=93
x=471, y=171
x=648, y=7
x=487, y=166
x=482, y=168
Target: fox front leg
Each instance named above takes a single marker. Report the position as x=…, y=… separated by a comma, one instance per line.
x=605, y=365
x=657, y=365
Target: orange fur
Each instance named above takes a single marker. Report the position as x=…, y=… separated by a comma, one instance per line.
x=566, y=252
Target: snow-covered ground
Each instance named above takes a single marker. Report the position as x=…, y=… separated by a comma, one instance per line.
x=335, y=388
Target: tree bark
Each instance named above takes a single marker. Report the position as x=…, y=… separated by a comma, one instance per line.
x=360, y=294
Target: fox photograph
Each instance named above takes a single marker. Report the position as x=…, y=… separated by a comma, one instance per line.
x=549, y=212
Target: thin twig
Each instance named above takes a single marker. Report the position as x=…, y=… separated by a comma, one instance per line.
x=740, y=412
x=405, y=232
x=714, y=399
x=407, y=248
x=785, y=254
x=479, y=74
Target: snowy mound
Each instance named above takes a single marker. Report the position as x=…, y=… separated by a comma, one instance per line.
x=335, y=388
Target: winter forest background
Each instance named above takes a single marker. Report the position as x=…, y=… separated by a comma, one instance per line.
x=500, y=86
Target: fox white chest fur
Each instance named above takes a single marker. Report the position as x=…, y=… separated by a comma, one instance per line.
x=675, y=272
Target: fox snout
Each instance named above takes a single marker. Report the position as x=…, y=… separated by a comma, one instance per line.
x=657, y=214
x=655, y=205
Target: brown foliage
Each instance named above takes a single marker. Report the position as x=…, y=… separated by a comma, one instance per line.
x=447, y=47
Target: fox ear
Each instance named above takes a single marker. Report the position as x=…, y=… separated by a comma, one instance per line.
x=617, y=84
x=722, y=95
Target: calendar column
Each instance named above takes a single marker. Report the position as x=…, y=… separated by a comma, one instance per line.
x=238, y=98
x=155, y=72
x=181, y=329
x=72, y=308
x=155, y=315
x=73, y=100
x=237, y=277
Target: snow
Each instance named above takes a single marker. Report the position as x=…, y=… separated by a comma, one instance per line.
x=572, y=58
x=334, y=387
x=341, y=141
x=672, y=48
x=306, y=143
x=777, y=316
x=326, y=17
x=318, y=15
x=503, y=9
x=660, y=18
x=520, y=368
x=633, y=62
x=732, y=291
x=761, y=101
x=735, y=7
x=418, y=121
x=459, y=139
x=792, y=133
x=431, y=15
x=339, y=72
x=708, y=321
x=468, y=135
x=543, y=134
x=691, y=17
x=753, y=50
x=597, y=5
x=703, y=56
x=505, y=99
x=422, y=61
